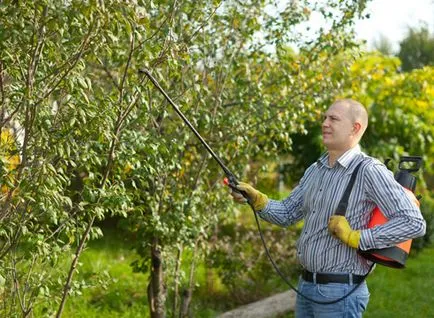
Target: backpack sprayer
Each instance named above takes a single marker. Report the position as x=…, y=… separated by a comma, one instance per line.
x=376, y=256
x=395, y=256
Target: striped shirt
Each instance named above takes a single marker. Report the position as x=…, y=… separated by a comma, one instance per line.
x=316, y=197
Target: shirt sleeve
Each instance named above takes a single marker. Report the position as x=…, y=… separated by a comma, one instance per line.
x=289, y=210
x=405, y=220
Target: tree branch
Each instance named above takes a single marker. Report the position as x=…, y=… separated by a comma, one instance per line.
x=78, y=251
x=109, y=74
x=75, y=60
x=2, y=92
x=121, y=93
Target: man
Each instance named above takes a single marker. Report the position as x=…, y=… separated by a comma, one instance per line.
x=327, y=247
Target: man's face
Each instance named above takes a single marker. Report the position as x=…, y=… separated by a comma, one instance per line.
x=337, y=128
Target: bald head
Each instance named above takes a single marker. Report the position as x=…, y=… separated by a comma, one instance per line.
x=356, y=113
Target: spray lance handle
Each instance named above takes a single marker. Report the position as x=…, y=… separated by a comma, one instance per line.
x=231, y=181
x=407, y=165
x=406, y=159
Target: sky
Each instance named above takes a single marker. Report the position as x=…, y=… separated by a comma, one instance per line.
x=388, y=18
x=391, y=18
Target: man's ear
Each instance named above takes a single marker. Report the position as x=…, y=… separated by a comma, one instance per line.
x=356, y=128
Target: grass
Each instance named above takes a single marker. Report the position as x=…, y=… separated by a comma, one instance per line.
x=115, y=290
x=397, y=293
x=407, y=292
x=394, y=293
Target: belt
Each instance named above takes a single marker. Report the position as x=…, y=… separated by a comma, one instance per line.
x=321, y=278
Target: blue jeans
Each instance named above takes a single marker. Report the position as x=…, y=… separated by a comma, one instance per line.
x=352, y=306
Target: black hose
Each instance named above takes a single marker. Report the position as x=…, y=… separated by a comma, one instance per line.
x=285, y=279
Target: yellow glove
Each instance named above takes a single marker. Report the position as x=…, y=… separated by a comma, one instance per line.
x=340, y=228
x=257, y=199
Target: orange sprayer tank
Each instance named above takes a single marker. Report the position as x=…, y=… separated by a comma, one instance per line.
x=395, y=256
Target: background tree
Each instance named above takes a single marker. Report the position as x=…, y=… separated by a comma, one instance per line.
x=400, y=106
x=383, y=45
x=417, y=49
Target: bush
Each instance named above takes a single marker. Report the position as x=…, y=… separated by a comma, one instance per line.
x=427, y=208
x=243, y=266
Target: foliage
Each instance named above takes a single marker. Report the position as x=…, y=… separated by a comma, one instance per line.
x=417, y=49
x=400, y=107
x=241, y=263
x=45, y=92
x=383, y=45
x=97, y=140
x=427, y=208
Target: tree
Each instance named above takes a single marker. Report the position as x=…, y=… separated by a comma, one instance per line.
x=383, y=45
x=401, y=112
x=71, y=123
x=417, y=49
x=399, y=104
x=400, y=107
x=99, y=141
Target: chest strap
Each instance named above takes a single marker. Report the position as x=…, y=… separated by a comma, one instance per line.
x=343, y=204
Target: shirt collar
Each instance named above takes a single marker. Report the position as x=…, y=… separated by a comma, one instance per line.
x=344, y=160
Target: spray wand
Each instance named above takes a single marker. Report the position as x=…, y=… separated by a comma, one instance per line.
x=230, y=179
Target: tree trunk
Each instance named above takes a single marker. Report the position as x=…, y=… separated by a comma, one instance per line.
x=185, y=305
x=73, y=267
x=156, y=289
x=188, y=292
x=177, y=270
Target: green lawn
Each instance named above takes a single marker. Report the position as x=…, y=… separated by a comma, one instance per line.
x=402, y=293
x=405, y=292
x=115, y=290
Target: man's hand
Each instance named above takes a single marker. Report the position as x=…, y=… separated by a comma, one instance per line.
x=339, y=228
x=258, y=199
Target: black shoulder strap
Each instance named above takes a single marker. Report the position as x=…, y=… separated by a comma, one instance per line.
x=343, y=204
